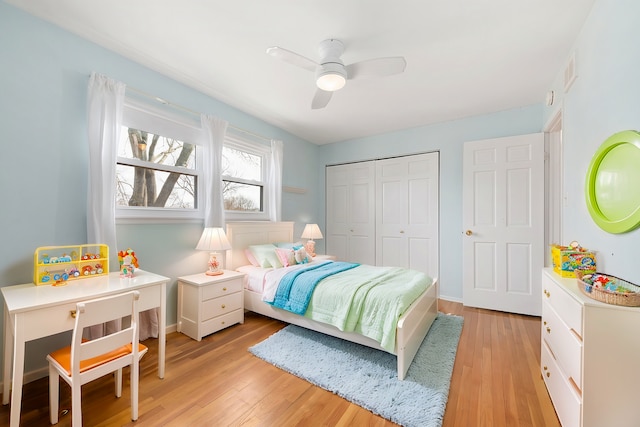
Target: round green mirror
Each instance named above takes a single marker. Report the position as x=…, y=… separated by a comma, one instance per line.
x=613, y=183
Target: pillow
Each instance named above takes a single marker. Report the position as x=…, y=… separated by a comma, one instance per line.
x=286, y=256
x=265, y=255
x=301, y=255
x=252, y=260
x=287, y=245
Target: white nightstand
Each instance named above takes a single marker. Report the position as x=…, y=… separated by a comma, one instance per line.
x=320, y=257
x=207, y=304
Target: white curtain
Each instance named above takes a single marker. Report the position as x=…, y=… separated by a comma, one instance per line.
x=214, y=132
x=275, y=181
x=105, y=102
x=105, y=106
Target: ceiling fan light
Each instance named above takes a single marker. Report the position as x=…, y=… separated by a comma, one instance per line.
x=331, y=82
x=331, y=76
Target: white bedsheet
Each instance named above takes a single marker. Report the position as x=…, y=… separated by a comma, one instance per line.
x=265, y=280
x=254, y=279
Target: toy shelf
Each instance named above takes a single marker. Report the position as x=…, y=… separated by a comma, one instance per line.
x=55, y=264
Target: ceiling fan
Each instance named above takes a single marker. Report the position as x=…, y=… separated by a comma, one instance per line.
x=332, y=74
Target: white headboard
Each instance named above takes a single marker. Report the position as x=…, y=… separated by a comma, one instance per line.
x=243, y=234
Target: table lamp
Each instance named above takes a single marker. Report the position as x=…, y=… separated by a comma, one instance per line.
x=213, y=240
x=311, y=232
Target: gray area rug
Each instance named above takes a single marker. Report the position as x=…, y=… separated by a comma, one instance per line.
x=368, y=377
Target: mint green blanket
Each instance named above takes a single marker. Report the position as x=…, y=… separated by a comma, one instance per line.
x=368, y=300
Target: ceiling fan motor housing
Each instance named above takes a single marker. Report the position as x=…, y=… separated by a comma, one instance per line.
x=331, y=75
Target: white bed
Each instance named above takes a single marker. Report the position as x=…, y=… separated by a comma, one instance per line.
x=412, y=327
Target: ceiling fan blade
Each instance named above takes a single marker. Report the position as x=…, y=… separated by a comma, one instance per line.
x=378, y=67
x=292, y=58
x=321, y=99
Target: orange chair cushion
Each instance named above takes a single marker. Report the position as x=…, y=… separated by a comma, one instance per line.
x=63, y=357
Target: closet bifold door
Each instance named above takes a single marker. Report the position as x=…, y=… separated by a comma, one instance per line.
x=350, y=212
x=407, y=212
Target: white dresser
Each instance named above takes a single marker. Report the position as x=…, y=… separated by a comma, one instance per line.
x=590, y=356
x=207, y=304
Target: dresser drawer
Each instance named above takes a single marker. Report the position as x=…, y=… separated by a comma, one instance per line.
x=563, y=302
x=564, y=344
x=222, y=305
x=566, y=399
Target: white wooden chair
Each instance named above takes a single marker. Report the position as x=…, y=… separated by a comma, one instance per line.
x=84, y=361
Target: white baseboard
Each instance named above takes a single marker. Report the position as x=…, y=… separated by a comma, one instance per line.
x=448, y=298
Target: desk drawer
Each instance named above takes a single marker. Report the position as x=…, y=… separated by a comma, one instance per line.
x=222, y=288
x=46, y=321
x=222, y=305
x=562, y=302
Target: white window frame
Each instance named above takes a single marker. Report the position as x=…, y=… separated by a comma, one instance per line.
x=139, y=115
x=241, y=143
x=148, y=119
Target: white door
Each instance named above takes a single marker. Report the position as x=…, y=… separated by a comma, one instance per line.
x=350, y=229
x=503, y=223
x=407, y=212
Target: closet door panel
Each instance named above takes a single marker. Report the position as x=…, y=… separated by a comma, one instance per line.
x=407, y=212
x=350, y=209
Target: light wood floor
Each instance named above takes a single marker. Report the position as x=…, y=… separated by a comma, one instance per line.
x=496, y=382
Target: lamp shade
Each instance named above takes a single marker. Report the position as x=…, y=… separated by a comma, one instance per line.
x=213, y=239
x=311, y=232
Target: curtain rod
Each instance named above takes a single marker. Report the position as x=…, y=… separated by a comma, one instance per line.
x=188, y=110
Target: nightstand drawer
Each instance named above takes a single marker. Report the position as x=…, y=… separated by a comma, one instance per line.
x=218, y=323
x=219, y=306
x=222, y=288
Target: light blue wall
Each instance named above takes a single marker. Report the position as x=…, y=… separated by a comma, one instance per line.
x=44, y=72
x=43, y=77
x=447, y=138
x=603, y=100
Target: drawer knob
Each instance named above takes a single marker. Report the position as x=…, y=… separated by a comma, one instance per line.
x=222, y=323
x=548, y=330
x=547, y=293
x=224, y=289
x=72, y=313
x=548, y=374
x=545, y=368
x=223, y=306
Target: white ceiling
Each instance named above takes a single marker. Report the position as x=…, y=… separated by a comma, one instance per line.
x=464, y=57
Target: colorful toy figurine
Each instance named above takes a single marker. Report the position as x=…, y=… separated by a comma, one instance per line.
x=128, y=262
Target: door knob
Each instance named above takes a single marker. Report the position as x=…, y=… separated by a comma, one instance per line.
x=468, y=232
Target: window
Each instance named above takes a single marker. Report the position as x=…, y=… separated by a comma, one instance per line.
x=159, y=169
x=244, y=177
x=155, y=171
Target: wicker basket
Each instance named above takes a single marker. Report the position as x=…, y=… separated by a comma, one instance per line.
x=628, y=299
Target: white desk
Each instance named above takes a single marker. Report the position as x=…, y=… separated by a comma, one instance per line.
x=32, y=312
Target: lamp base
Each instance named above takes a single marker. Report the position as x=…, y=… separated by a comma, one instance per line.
x=310, y=247
x=214, y=265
